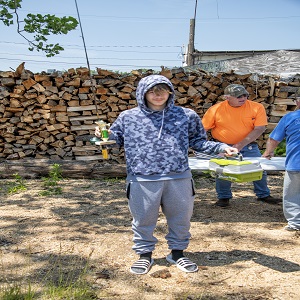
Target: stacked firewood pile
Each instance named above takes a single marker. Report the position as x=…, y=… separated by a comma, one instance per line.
x=53, y=115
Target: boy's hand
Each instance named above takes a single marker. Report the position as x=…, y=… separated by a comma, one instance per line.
x=97, y=132
x=229, y=151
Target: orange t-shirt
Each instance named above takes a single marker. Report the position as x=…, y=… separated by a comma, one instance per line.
x=231, y=125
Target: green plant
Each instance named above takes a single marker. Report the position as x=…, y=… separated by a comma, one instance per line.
x=280, y=149
x=18, y=185
x=55, y=172
x=50, y=183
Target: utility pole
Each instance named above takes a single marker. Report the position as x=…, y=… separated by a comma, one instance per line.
x=191, y=46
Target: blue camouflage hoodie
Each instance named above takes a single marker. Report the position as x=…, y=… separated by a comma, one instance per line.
x=156, y=143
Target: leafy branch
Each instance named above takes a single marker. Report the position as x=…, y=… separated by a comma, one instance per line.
x=40, y=26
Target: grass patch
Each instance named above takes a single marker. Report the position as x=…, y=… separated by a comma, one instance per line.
x=65, y=276
x=16, y=292
x=113, y=180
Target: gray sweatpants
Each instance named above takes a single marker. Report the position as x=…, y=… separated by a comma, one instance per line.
x=291, y=198
x=175, y=197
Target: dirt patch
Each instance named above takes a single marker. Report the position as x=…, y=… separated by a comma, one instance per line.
x=242, y=252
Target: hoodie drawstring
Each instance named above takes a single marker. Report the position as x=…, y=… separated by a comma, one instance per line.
x=162, y=124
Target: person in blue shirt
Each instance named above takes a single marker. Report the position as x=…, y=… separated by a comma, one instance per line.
x=156, y=136
x=289, y=128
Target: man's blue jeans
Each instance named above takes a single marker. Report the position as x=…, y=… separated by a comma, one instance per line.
x=261, y=190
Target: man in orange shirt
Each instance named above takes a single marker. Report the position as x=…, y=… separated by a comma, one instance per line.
x=238, y=121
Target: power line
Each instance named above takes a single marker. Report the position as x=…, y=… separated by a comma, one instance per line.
x=92, y=64
x=106, y=58
x=166, y=18
x=96, y=61
x=63, y=56
x=256, y=18
x=104, y=46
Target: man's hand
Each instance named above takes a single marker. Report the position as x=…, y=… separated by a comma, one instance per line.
x=268, y=154
x=271, y=145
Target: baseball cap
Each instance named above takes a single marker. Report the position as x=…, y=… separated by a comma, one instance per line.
x=235, y=90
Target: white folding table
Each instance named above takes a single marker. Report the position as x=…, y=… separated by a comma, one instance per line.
x=274, y=164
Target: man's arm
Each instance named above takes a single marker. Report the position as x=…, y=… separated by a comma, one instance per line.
x=271, y=145
x=251, y=137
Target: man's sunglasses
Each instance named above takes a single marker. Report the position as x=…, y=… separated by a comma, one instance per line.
x=242, y=96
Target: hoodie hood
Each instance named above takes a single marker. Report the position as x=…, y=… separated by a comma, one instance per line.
x=146, y=84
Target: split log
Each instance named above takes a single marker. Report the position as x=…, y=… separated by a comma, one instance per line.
x=38, y=168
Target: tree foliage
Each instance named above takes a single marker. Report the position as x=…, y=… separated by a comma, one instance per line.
x=38, y=26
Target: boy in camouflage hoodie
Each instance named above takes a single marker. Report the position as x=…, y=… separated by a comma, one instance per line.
x=156, y=136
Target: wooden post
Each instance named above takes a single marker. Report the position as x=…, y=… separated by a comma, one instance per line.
x=191, y=47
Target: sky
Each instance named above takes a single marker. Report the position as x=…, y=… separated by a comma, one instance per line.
x=126, y=35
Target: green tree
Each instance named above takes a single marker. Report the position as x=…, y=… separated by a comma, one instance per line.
x=38, y=26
